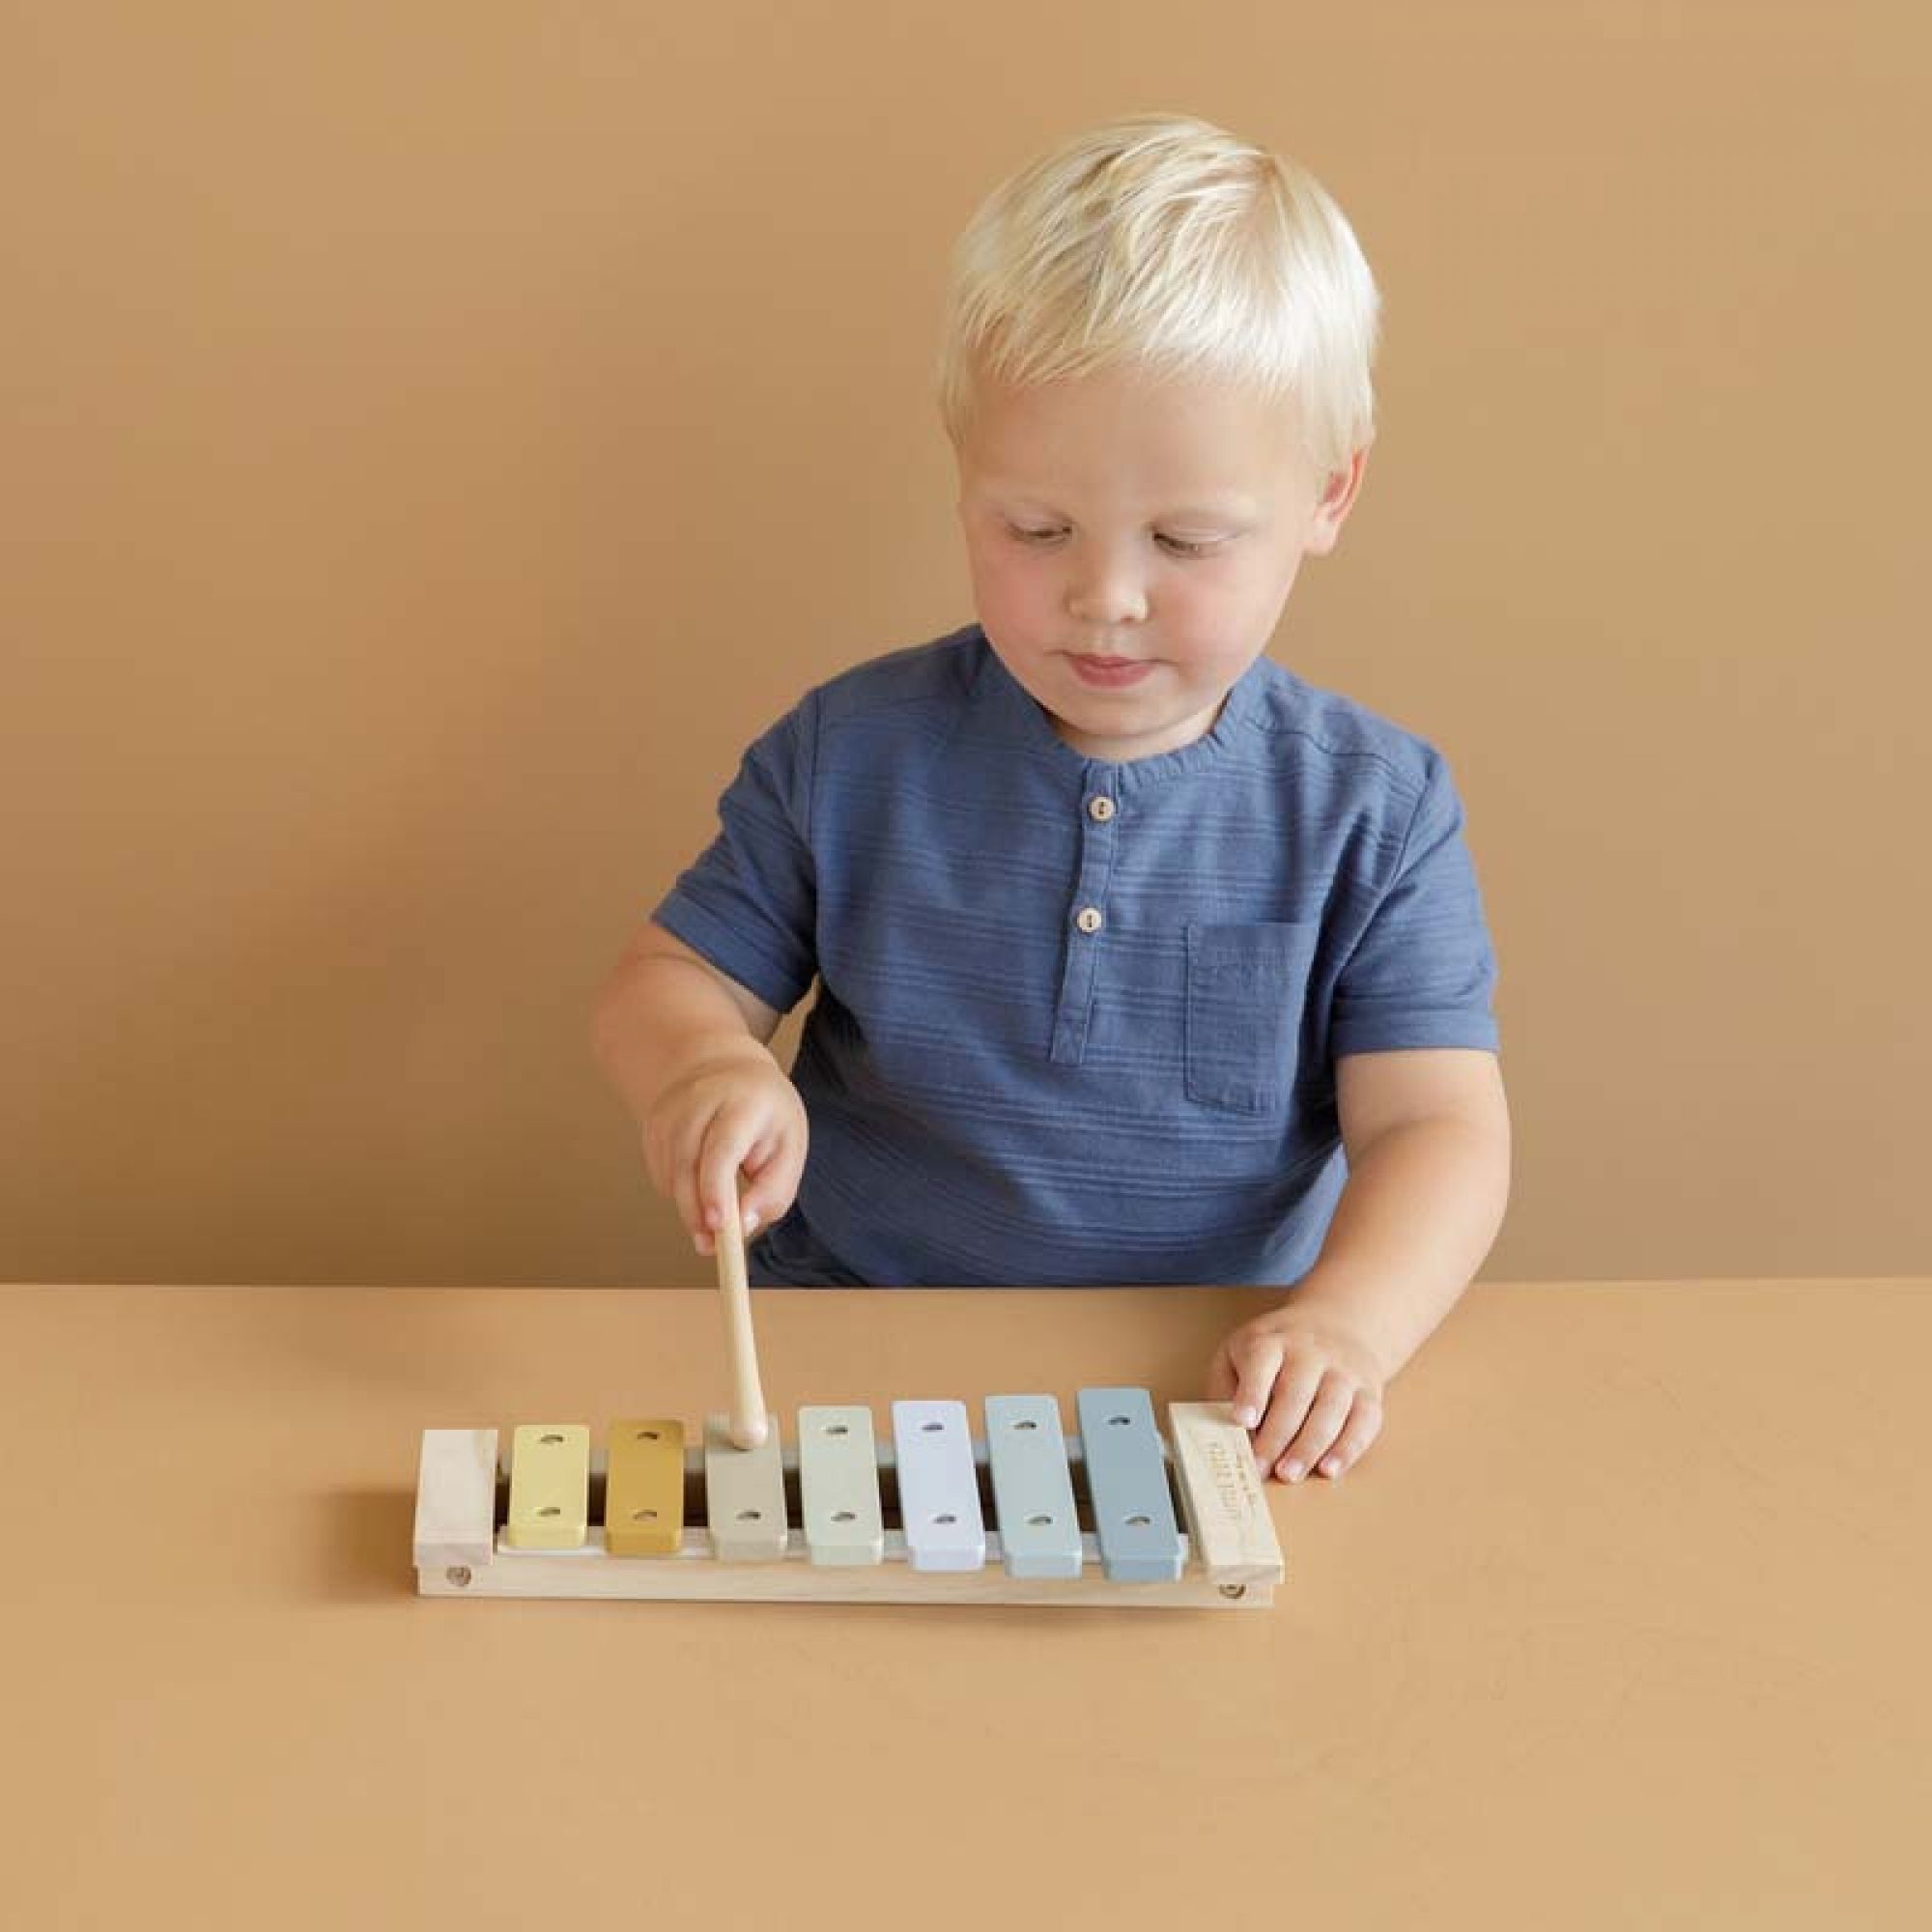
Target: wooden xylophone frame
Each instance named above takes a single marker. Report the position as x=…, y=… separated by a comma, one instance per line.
x=1232, y=1559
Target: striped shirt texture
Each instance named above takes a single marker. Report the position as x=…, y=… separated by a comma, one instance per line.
x=1077, y=1021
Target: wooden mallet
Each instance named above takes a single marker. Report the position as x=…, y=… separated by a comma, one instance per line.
x=748, y=1426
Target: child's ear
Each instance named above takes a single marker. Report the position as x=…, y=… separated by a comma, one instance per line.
x=1331, y=509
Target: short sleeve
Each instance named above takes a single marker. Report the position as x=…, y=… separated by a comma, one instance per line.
x=1423, y=973
x=749, y=903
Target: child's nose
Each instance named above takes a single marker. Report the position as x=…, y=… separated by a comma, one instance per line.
x=1108, y=594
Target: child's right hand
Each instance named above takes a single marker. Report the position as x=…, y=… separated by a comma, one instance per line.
x=732, y=1111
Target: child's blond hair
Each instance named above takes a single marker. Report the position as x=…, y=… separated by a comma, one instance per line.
x=1164, y=242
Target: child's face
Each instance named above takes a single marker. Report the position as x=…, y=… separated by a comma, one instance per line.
x=1132, y=544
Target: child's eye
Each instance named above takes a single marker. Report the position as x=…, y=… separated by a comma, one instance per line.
x=1178, y=545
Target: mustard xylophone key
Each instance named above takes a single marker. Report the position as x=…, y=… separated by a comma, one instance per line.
x=939, y=1489
x=643, y=1492
x=1126, y=1477
x=743, y=1495
x=549, y=1487
x=838, y=1484
x=1033, y=1492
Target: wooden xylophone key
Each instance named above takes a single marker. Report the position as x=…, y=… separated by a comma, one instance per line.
x=456, y=1501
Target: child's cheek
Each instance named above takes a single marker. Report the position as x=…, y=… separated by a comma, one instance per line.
x=1015, y=598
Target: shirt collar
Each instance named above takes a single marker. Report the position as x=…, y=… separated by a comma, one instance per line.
x=1015, y=712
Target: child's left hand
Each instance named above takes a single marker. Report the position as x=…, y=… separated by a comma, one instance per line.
x=1306, y=1385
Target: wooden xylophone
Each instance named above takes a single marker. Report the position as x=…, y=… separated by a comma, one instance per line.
x=1020, y=1515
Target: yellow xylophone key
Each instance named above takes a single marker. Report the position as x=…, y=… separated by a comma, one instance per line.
x=643, y=1495
x=549, y=1487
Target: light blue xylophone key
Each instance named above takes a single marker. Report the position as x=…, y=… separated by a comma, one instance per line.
x=1033, y=1492
x=939, y=1488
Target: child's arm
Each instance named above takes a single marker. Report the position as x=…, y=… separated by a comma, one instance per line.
x=684, y=1044
x=1428, y=1141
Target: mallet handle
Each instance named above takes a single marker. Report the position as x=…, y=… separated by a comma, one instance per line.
x=747, y=1398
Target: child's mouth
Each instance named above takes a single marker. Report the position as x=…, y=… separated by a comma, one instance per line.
x=1110, y=674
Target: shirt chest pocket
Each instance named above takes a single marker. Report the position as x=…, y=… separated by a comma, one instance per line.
x=1247, y=988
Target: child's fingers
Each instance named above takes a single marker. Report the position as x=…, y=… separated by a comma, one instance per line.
x=1295, y=1391
x=674, y=1144
x=681, y=1185
x=1364, y=1425
x=1253, y=1363
x=1327, y=1413
x=773, y=1167
x=1220, y=1385
x=718, y=1160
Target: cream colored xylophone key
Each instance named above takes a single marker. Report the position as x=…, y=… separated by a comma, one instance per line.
x=838, y=1484
x=939, y=1488
x=549, y=1487
x=743, y=1495
x=456, y=1499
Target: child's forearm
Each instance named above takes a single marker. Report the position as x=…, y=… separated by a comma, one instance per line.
x=656, y=1019
x=1419, y=1214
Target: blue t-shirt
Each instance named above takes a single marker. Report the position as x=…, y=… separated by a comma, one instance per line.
x=1077, y=1022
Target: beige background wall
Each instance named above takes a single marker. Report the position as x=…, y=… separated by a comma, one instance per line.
x=435, y=437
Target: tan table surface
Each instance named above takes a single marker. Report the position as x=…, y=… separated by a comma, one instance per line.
x=1623, y=1621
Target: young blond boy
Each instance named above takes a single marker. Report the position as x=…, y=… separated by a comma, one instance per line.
x=1139, y=958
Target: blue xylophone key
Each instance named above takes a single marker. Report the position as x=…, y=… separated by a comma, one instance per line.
x=1126, y=1477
